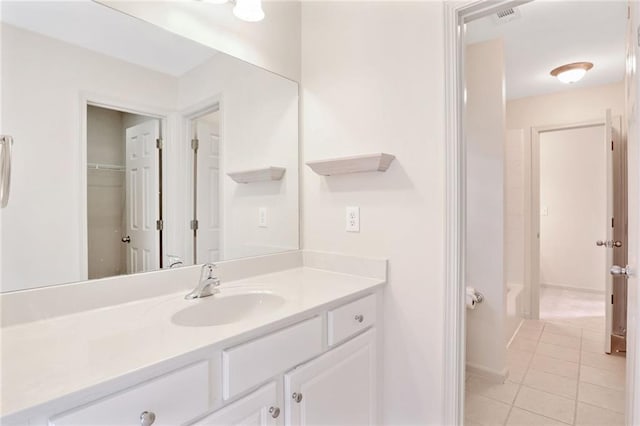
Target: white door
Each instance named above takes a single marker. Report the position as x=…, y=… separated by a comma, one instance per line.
x=633, y=161
x=609, y=237
x=338, y=388
x=208, y=197
x=142, y=204
x=260, y=408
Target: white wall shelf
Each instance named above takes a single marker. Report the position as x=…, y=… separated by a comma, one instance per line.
x=258, y=175
x=378, y=162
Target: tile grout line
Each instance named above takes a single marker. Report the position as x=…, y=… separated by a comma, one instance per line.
x=521, y=384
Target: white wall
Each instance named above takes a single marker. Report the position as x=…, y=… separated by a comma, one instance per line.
x=485, y=142
x=372, y=81
x=259, y=128
x=569, y=106
x=514, y=230
x=273, y=44
x=573, y=203
x=514, y=170
x=45, y=209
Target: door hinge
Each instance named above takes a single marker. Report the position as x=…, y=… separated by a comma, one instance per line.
x=159, y=225
x=194, y=225
x=159, y=143
x=195, y=144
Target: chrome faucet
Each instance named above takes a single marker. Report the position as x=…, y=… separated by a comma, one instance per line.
x=208, y=284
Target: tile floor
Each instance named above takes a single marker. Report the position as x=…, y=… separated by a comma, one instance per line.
x=559, y=374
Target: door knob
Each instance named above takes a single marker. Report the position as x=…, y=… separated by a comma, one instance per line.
x=147, y=418
x=126, y=239
x=297, y=397
x=609, y=243
x=619, y=271
x=274, y=411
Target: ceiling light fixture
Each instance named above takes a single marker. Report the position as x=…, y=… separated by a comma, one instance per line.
x=570, y=73
x=249, y=10
x=246, y=10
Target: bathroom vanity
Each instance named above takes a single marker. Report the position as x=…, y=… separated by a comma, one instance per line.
x=292, y=346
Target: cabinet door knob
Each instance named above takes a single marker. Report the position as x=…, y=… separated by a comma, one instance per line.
x=274, y=411
x=297, y=397
x=359, y=318
x=147, y=418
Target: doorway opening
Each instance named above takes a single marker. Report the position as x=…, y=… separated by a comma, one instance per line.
x=542, y=185
x=124, y=192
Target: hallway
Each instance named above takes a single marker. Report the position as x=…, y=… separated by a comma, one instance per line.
x=558, y=373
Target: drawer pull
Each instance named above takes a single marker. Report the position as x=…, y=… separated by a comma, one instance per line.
x=297, y=397
x=147, y=418
x=359, y=318
x=274, y=411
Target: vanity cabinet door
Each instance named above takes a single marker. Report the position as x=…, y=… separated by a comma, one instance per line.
x=337, y=388
x=259, y=408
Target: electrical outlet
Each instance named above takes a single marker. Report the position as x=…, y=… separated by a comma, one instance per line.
x=353, y=219
x=262, y=217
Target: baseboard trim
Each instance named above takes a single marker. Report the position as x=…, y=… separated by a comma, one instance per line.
x=568, y=287
x=487, y=373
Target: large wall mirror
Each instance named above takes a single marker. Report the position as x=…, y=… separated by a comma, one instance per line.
x=136, y=149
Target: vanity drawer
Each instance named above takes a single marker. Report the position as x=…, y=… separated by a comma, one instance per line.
x=254, y=362
x=174, y=398
x=351, y=318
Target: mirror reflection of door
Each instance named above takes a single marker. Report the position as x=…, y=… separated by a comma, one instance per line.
x=207, y=195
x=123, y=192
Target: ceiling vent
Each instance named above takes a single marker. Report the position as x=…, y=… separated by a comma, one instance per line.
x=506, y=15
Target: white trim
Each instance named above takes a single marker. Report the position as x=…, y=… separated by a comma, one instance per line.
x=99, y=100
x=456, y=12
x=570, y=288
x=491, y=375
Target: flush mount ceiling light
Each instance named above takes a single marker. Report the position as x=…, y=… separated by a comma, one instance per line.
x=570, y=73
x=249, y=10
x=246, y=10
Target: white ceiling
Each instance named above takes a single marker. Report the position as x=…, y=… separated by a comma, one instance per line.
x=552, y=33
x=101, y=29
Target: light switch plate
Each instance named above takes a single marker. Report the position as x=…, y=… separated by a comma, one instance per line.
x=353, y=219
x=262, y=217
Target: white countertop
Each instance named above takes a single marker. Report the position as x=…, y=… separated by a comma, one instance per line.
x=45, y=360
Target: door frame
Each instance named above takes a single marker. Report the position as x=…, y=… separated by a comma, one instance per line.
x=188, y=115
x=456, y=14
x=532, y=215
x=166, y=130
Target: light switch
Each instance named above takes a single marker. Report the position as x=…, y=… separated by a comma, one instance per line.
x=353, y=219
x=262, y=217
x=544, y=211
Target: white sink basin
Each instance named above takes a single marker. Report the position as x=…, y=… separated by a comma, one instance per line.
x=223, y=308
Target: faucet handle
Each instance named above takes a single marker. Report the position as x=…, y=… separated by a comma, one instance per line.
x=207, y=271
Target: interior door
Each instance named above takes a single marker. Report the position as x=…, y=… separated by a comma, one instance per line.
x=142, y=203
x=633, y=179
x=208, y=197
x=608, y=243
